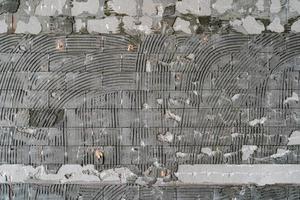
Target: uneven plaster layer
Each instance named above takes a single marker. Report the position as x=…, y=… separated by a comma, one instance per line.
x=238, y=174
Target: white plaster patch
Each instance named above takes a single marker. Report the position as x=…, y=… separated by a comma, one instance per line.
x=294, y=97
x=181, y=155
x=182, y=25
x=123, y=6
x=107, y=25
x=196, y=7
x=90, y=6
x=275, y=6
x=294, y=6
x=167, y=137
x=260, y=174
x=235, y=97
x=257, y=121
x=294, y=139
x=247, y=151
x=50, y=7
x=207, y=151
x=296, y=26
x=275, y=26
x=252, y=26
x=3, y=26
x=170, y=115
x=33, y=26
x=67, y=173
x=260, y=5
x=222, y=5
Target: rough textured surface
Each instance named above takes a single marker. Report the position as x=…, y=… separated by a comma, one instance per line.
x=112, y=99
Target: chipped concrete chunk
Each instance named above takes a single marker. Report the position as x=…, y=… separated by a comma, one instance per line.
x=182, y=25
x=296, y=26
x=33, y=26
x=275, y=26
x=252, y=26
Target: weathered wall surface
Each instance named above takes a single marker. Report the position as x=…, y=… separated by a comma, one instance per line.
x=132, y=99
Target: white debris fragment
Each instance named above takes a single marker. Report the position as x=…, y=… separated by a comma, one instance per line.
x=3, y=26
x=296, y=25
x=235, y=97
x=90, y=6
x=182, y=25
x=148, y=66
x=107, y=25
x=275, y=25
x=50, y=7
x=294, y=139
x=160, y=101
x=275, y=6
x=260, y=174
x=280, y=153
x=123, y=6
x=167, y=137
x=247, y=151
x=195, y=7
x=258, y=121
x=207, y=151
x=33, y=26
x=181, y=155
x=170, y=115
x=252, y=26
x=222, y=5
x=294, y=6
x=191, y=56
x=260, y=5
x=294, y=97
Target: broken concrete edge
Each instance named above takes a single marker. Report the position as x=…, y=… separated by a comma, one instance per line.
x=148, y=17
